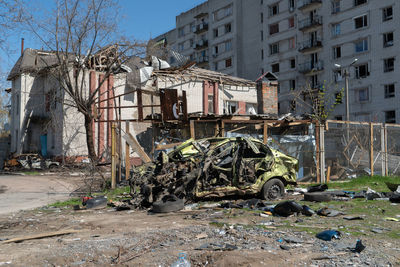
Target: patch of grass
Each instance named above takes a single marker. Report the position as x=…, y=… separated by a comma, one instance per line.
x=218, y=224
x=68, y=203
x=375, y=182
x=112, y=194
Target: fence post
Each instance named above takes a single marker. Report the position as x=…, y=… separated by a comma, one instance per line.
x=322, y=152
x=317, y=143
x=383, y=155
x=127, y=156
x=371, y=148
x=386, y=152
x=192, y=133
x=265, y=132
x=113, y=157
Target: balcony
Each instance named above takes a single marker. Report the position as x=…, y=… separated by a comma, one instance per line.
x=311, y=68
x=310, y=46
x=203, y=27
x=306, y=5
x=310, y=24
x=201, y=45
x=202, y=62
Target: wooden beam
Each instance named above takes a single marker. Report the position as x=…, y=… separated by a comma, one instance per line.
x=127, y=154
x=113, y=157
x=39, y=236
x=265, y=133
x=136, y=147
x=140, y=105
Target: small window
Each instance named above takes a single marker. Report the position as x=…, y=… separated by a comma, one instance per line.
x=231, y=107
x=388, y=64
x=228, y=63
x=390, y=116
x=274, y=48
x=262, y=35
x=337, y=75
x=210, y=103
x=292, y=84
x=262, y=54
x=291, y=22
x=387, y=13
x=216, y=50
x=262, y=17
x=192, y=27
x=362, y=71
x=339, y=118
x=389, y=90
x=361, y=46
x=361, y=22
x=273, y=28
x=275, y=67
x=215, y=31
x=337, y=52
x=292, y=43
x=388, y=39
x=291, y=5
x=362, y=95
x=335, y=6
x=181, y=31
x=293, y=63
x=228, y=46
x=228, y=28
x=359, y=2
x=274, y=10
x=336, y=29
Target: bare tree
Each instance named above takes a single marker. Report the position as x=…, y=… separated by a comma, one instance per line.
x=320, y=100
x=78, y=34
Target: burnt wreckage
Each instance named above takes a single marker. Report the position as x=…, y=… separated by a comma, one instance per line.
x=213, y=168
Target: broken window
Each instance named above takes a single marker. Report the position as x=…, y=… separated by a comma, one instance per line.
x=337, y=75
x=292, y=84
x=228, y=28
x=275, y=67
x=291, y=5
x=273, y=28
x=361, y=22
x=274, y=48
x=215, y=31
x=388, y=39
x=228, y=63
x=390, y=116
x=359, y=2
x=335, y=6
x=291, y=22
x=293, y=63
x=251, y=108
x=337, y=52
x=388, y=64
x=387, y=13
x=274, y=9
x=231, y=107
x=389, y=90
x=362, y=71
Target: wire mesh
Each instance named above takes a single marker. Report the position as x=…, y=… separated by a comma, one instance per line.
x=393, y=149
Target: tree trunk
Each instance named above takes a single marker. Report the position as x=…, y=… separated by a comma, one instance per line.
x=90, y=138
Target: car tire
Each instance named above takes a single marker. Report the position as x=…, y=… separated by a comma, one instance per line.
x=169, y=204
x=317, y=197
x=273, y=189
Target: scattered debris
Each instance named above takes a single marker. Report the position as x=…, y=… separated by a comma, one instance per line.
x=329, y=212
x=169, y=203
x=352, y=218
x=328, y=235
x=318, y=197
x=95, y=203
x=359, y=247
x=287, y=208
x=317, y=188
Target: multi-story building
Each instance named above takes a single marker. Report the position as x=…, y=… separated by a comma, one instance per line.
x=309, y=44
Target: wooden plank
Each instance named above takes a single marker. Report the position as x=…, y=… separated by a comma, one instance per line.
x=328, y=174
x=222, y=128
x=265, y=133
x=168, y=146
x=39, y=236
x=136, y=147
x=127, y=154
x=113, y=157
x=317, y=140
x=192, y=133
x=140, y=105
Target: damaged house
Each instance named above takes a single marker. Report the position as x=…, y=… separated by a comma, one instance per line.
x=42, y=123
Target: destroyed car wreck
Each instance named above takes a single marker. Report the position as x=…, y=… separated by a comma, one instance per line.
x=215, y=168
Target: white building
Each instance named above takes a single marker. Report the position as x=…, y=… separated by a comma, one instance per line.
x=42, y=122
x=301, y=41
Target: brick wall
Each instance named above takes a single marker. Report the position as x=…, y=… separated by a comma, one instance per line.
x=267, y=97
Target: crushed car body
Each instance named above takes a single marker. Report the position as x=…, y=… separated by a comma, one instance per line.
x=214, y=168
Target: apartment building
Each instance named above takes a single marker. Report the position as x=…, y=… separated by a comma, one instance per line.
x=220, y=35
x=312, y=44
x=309, y=44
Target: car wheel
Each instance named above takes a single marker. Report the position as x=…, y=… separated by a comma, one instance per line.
x=53, y=166
x=273, y=189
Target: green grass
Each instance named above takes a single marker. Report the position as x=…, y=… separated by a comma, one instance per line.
x=376, y=183
x=117, y=192
x=31, y=173
x=68, y=203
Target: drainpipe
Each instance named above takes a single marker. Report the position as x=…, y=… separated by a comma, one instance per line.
x=22, y=46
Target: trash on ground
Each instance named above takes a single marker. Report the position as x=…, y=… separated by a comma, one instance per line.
x=96, y=203
x=328, y=235
x=359, y=247
x=329, y=212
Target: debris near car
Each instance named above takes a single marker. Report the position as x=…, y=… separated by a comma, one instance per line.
x=214, y=168
x=30, y=161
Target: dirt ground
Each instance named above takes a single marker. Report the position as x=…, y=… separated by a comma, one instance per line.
x=209, y=237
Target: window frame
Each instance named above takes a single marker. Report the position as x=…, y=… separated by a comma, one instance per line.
x=274, y=48
x=385, y=17
x=388, y=67
x=365, y=45
x=366, y=97
x=388, y=43
x=335, y=6
x=337, y=55
x=391, y=119
x=273, y=9
x=364, y=19
x=336, y=29
x=273, y=28
x=356, y=2
x=366, y=71
x=389, y=90
x=274, y=65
